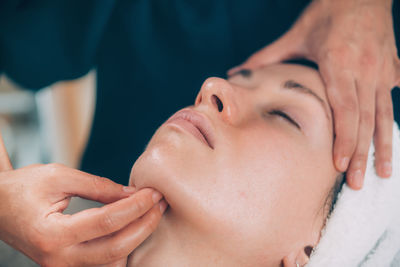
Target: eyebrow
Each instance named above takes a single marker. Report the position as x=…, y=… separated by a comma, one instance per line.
x=291, y=84
x=298, y=87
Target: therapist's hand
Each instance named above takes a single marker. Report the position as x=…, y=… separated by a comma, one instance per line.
x=31, y=203
x=352, y=41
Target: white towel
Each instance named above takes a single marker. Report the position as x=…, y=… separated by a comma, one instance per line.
x=364, y=227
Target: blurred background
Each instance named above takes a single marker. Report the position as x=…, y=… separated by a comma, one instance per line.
x=49, y=126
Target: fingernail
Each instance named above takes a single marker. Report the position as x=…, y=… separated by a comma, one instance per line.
x=163, y=206
x=357, y=179
x=387, y=169
x=343, y=163
x=156, y=197
x=129, y=189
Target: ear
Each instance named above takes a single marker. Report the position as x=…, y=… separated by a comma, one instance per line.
x=299, y=257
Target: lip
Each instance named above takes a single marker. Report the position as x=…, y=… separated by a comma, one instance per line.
x=196, y=124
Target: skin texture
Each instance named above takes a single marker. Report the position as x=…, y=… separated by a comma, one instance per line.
x=256, y=198
x=352, y=41
x=91, y=237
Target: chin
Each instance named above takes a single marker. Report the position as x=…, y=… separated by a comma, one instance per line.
x=169, y=159
x=176, y=164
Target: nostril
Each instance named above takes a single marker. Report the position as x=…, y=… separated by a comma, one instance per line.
x=217, y=102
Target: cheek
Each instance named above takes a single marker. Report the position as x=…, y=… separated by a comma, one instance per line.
x=250, y=183
x=267, y=183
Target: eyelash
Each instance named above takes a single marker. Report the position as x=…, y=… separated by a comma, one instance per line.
x=285, y=116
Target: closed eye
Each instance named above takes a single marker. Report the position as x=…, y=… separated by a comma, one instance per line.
x=285, y=116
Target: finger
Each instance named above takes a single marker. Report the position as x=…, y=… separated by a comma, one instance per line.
x=286, y=47
x=122, y=243
x=383, y=132
x=342, y=97
x=98, y=222
x=366, y=89
x=88, y=186
x=5, y=163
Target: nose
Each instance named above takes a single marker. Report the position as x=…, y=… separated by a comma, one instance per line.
x=219, y=96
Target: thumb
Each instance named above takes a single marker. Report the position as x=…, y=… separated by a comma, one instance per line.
x=286, y=47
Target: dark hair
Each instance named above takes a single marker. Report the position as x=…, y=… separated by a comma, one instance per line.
x=333, y=194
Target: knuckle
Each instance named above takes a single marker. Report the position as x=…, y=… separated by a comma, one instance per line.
x=99, y=185
x=369, y=58
x=107, y=223
x=350, y=105
x=385, y=113
x=367, y=118
x=53, y=169
x=140, y=205
x=338, y=55
x=346, y=105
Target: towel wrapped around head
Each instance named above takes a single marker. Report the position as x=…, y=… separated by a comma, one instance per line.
x=364, y=227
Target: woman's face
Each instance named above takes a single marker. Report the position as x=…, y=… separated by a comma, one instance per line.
x=246, y=172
